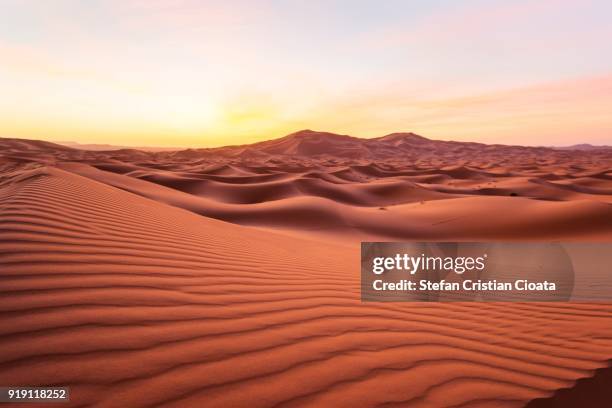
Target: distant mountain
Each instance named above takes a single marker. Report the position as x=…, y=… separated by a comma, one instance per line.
x=305, y=144
x=583, y=146
x=107, y=147
x=310, y=143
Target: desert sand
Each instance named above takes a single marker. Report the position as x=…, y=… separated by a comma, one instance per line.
x=229, y=277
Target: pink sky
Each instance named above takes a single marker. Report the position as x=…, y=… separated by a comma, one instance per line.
x=204, y=73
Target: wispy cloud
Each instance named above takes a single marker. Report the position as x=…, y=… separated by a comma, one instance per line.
x=558, y=112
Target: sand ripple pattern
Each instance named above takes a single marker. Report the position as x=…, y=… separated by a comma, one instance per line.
x=133, y=302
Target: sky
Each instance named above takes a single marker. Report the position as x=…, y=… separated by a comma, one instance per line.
x=187, y=73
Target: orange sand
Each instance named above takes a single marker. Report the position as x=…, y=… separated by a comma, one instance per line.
x=118, y=281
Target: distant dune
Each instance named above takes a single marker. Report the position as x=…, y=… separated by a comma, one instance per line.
x=104, y=147
x=274, y=144
x=400, y=186
x=585, y=146
x=228, y=277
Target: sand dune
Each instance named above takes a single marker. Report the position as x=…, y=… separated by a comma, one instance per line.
x=118, y=281
x=381, y=209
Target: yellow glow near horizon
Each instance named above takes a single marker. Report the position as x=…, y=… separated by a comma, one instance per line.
x=543, y=114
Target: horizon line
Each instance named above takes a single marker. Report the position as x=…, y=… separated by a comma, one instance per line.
x=170, y=148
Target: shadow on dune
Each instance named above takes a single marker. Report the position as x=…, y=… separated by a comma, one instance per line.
x=593, y=391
